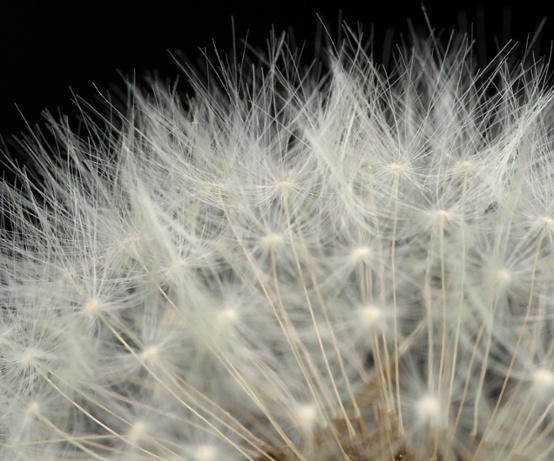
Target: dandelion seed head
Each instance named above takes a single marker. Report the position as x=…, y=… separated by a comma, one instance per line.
x=503, y=277
x=150, y=353
x=228, y=316
x=361, y=253
x=396, y=168
x=93, y=307
x=467, y=166
x=371, y=317
x=272, y=240
x=442, y=215
x=138, y=431
x=32, y=410
x=206, y=453
x=548, y=222
x=543, y=379
x=292, y=265
x=29, y=356
x=307, y=416
x=429, y=410
x=284, y=187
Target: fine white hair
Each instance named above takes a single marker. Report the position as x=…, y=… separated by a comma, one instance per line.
x=355, y=264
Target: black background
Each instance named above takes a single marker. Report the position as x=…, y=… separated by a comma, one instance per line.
x=51, y=50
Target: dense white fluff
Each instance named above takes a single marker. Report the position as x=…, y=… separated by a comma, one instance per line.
x=289, y=266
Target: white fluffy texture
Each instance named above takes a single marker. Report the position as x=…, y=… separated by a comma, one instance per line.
x=357, y=266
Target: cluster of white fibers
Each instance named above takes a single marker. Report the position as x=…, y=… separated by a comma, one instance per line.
x=289, y=266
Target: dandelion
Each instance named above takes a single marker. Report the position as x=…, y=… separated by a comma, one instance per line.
x=289, y=266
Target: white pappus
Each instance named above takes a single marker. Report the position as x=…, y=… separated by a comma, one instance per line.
x=355, y=264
